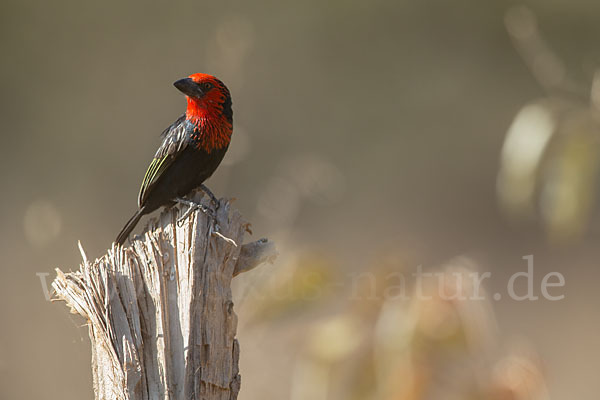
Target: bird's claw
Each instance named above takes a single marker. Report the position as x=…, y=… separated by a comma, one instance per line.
x=193, y=206
x=214, y=227
x=210, y=194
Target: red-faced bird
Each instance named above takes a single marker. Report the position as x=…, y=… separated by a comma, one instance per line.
x=191, y=150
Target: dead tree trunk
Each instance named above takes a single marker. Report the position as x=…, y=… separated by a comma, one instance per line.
x=160, y=312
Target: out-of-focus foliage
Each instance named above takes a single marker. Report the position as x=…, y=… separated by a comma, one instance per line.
x=303, y=281
x=437, y=345
x=549, y=167
x=550, y=157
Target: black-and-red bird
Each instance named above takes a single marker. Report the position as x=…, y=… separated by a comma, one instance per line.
x=192, y=147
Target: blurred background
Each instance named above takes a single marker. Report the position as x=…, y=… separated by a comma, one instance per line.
x=370, y=138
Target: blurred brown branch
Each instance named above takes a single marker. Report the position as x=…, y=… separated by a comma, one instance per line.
x=160, y=313
x=548, y=69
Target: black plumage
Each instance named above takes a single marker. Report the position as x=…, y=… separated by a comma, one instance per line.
x=191, y=150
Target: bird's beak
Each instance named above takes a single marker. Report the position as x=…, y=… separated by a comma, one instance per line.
x=188, y=87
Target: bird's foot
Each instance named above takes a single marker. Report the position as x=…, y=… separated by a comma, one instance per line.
x=192, y=206
x=210, y=194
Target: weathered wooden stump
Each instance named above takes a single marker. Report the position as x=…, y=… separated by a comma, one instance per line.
x=160, y=312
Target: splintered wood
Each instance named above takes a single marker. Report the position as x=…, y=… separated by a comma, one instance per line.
x=160, y=312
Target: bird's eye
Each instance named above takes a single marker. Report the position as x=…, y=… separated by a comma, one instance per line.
x=206, y=86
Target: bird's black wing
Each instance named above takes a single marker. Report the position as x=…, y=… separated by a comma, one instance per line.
x=175, y=139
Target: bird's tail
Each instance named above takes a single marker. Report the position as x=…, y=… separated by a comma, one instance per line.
x=124, y=234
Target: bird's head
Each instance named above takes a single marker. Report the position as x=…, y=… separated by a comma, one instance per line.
x=207, y=97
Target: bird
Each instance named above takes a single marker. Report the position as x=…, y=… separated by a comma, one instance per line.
x=191, y=149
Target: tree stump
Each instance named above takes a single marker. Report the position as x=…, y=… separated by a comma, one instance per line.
x=160, y=313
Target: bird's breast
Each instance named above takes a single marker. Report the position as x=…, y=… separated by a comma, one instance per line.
x=211, y=136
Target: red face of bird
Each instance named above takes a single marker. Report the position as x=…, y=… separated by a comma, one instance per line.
x=207, y=97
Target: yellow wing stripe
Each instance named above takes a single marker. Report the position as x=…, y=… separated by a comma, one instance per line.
x=151, y=175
